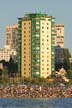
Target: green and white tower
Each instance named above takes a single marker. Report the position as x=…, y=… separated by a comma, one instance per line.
x=36, y=41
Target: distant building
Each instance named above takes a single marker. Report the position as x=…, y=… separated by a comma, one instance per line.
x=59, y=38
x=12, y=36
x=59, y=54
x=6, y=52
x=36, y=43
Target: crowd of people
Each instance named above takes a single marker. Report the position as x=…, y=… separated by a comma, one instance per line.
x=35, y=91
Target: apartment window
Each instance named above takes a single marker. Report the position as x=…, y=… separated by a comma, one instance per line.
x=24, y=31
x=42, y=52
x=24, y=23
x=42, y=43
x=42, y=60
x=37, y=35
x=37, y=27
x=47, y=64
x=37, y=22
x=24, y=27
x=47, y=28
x=24, y=64
x=42, y=64
x=29, y=47
x=47, y=68
x=24, y=48
x=43, y=56
x=42, y=27
x=42, y=31
x=24, y=72
x=29, y=68
x=24, y=35
x=24, y=68
x=42, y=68
x=42, y=39
x=24, y=39
x=47, y=56
x=47, y=40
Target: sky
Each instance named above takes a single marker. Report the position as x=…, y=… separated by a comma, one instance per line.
x=11, y=10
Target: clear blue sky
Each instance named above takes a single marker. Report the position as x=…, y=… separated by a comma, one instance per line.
x=10, y=10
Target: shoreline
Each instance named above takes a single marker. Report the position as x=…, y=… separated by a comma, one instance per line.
x=35, y=92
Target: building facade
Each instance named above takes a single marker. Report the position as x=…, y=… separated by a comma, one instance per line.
x=59, y=38
x=12, y=36
x=6, y=52
x=59, y=55
x=36, y=43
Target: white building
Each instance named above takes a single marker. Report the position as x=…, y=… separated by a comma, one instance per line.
x=6, y=52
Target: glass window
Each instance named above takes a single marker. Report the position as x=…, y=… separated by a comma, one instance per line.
x=42, y=27
x=24, y=23
x=24, y=31
x=47, y=68
x=47, y=27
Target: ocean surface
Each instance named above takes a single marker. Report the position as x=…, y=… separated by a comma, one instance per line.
x=36, y=103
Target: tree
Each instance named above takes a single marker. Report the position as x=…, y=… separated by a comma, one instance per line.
x=5, y=76
x=11, y=67
x=67, y=55
x=69, y=73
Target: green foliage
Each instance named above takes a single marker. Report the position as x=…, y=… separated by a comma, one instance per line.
x=67, y=55
x=5, y=79
x=69, y=73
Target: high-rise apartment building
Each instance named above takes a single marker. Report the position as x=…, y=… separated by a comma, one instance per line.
x=36, y=43
x=59, y=38
x=12, y=36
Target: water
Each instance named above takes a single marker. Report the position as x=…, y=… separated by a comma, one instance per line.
x=36, y=103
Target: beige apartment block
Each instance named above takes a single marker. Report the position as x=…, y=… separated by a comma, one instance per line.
x=36, y=45
x=59, y=38
x=12, y=36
